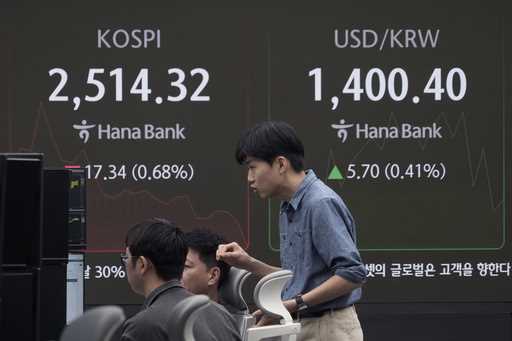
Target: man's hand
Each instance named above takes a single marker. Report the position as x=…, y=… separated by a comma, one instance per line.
x=264, y=320
x=234, y=255
x=290, y=305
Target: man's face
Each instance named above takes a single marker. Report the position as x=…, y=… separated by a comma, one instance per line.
x=133, y=274
x=196, y=275
x=263, y=178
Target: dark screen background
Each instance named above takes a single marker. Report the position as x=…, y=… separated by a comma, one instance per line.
x=258, y=59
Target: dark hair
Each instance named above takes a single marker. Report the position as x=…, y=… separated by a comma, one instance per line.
x=205, y=243
x=163, y=243
x=268, y=140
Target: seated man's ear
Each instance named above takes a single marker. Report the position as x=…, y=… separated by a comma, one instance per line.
x=145, y=264
x=214, y=277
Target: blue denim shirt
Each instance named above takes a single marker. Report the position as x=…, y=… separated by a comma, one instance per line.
x=318, y=240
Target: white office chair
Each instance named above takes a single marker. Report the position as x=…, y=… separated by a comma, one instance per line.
x=267, y=296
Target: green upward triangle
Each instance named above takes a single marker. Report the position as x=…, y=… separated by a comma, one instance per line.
x=335, y=174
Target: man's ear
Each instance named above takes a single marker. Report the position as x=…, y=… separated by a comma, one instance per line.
x=282, y=164
x=214, y=277
x=145, y=264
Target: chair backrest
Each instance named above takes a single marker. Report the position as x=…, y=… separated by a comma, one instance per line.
x=185, y=315
x=97, y=324
x=230, y=294
x=267, y=294
x=231, y=290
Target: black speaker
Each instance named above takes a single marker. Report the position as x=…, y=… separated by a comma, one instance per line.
x=51, y=305
x=18, y=315
x=20, y=209
x=55, y=215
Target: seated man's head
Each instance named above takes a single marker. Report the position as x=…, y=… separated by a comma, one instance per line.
x=155, y=253
x=203, y=273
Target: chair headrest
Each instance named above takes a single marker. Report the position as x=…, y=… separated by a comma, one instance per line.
x=231, y=290
x=267, y=294
x=97, y=324
x=184, y=317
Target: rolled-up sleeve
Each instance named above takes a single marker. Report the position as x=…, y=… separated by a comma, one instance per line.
x=333, y=236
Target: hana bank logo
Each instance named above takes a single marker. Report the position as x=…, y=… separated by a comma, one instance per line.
x=342, y=129
x=403, y=131
x=83, y=130
x=106, y=132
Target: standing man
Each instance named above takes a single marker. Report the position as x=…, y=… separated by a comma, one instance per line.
x=154, y=260
x=317, y=236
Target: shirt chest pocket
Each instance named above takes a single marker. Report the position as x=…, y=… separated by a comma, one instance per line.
x=295, y=244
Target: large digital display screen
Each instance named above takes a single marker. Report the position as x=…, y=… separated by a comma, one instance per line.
x=404, y=110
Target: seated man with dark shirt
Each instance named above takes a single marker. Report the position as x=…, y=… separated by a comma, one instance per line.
x=154, y=260
x=203, y=273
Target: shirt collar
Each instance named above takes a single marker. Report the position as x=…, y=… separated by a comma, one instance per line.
x=299, y=194
x=156, y=292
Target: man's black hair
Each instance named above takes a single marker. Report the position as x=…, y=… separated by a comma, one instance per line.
x=268, y=140
x=163, y=243
x=205, y=243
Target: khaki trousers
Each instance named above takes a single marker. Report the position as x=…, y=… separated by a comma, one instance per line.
x=337, y=325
